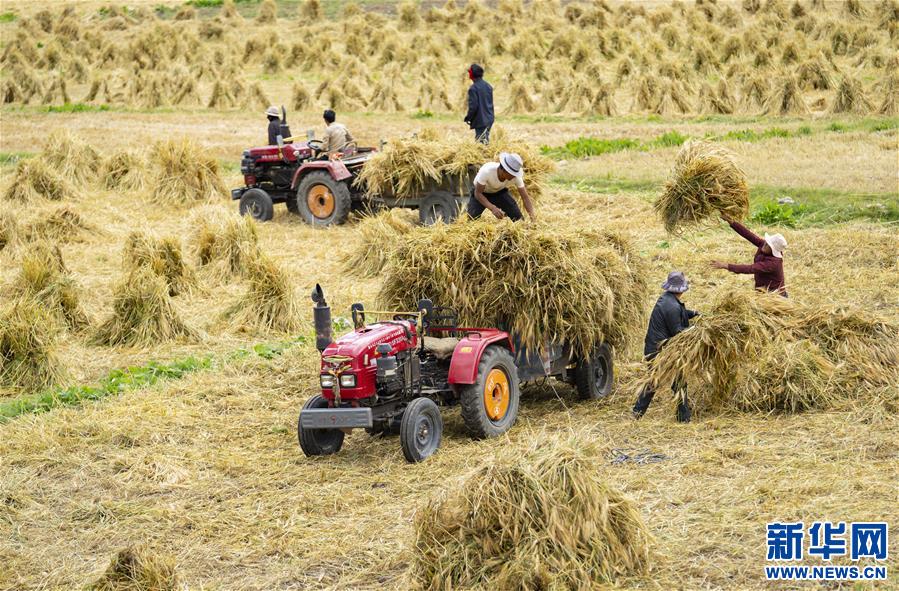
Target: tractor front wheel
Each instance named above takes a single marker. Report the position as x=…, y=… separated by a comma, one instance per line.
x=420, y=430
x=490, y=405
x=323, y=201
x=318, y=442
x=593, y=377
x=258, y=204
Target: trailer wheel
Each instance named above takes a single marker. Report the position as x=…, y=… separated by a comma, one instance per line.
x=258, y=204
x=420, y=430
x=318, y=442
x=593, y=377
x=438, y=206
x=490, y=405
x=322, y=201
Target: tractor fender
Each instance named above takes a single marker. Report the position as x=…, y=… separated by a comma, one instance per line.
x=337, y=169
x=467, y=354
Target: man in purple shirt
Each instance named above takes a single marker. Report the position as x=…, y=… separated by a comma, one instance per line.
x=767, y=267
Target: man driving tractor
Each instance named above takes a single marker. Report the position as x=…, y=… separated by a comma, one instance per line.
x=491, y=189
x=337, y=136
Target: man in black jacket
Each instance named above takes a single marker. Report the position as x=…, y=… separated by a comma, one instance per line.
x=669, y=317
x=274, y=125
x=480, y=104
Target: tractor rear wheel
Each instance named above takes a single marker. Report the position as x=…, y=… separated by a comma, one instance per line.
x=323, y=201
x=438, y=206
x=593, y=377
x=420, y=430
x=490, y=405
x=318, y=442
x=258, y=204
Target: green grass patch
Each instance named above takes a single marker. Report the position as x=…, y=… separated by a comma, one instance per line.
x=75, y=108
x=134, y=378
x=423, y=115
x=606, y=184
x=12, y=158
x=591, y=146
x=8, y=17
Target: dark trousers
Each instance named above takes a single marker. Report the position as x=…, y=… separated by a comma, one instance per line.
x=482, y=134
x=502, y=200
x=679, y=387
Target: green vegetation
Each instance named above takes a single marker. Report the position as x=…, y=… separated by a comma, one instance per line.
x=11, y=158
x=773, y=213
x=75, y=108
x=134, y=378
x=8, y=17
x=423, y=115
x=204, y=3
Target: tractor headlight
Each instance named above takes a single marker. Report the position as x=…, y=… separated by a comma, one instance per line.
x=327, y=381
x=348, y=380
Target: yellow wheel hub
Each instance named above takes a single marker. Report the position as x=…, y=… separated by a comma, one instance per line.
x=496, y=394
x=320, y=200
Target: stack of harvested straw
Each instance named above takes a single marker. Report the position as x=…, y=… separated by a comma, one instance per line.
x=45, y=280
x=163, y=257
x=35, y=178
x=28, y=338
x=538, y=518
x=543, y=283
x=377, y=236
x=270, y=302
x=763, y=352
x=138, y=569
x=184, y=173
x=224, y=242
x=705, y=182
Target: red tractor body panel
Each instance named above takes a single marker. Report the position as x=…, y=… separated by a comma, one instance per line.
x=467, y=354
x=361, y=347
x=337, y=169
x=290, y=153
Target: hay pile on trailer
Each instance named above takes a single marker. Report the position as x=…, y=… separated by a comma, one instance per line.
x=705, y=183
x=28, y=338
x=543, y=283
x=762, y=352
x=407, y=165
x=539, y=518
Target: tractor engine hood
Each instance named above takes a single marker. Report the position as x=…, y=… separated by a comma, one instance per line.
x=292, y=152
x=361, y=344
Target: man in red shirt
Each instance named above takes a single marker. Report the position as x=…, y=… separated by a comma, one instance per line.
x=767, y=266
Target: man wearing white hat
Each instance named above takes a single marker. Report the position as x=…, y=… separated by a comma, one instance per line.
x=490, y=190
x=274, y=125
x=767, y=267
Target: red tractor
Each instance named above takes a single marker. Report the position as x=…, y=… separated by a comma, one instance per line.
x=392, y=376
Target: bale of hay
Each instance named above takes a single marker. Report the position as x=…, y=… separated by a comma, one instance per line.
x=542, y=517
x=704, y=183
x=125, y=170
x=376, y=236
x=28, y=339
x=34, y=178
x=163, y=257
x=761, y=352
x=143, y=313
x=184, y=173
x=45, y=280
x=136, y=568
x=270, y=302
x=544, y=284
x=71, y=157
x=62, y=225
x=224, y=243
x=851, y=98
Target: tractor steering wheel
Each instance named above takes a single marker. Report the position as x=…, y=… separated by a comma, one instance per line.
x=315, y=145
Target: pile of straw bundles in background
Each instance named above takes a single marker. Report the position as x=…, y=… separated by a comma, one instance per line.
x=544, y=284
x=539, y=518
x=705, y=183
x=762, y=352
x=407, y=166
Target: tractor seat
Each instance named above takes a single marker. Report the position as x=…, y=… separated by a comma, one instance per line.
x=441, y=348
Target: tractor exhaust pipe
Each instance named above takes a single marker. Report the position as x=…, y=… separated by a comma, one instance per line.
x=321, y=315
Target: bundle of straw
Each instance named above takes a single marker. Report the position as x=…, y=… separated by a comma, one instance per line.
x=45, y=280
x=544, y=284
x=63, y=224
x=270, y=302
x=138, y=569
x=34, y=178
x=125, y=170
x=28, y=338
x=71, y=157
x=224, y=243
x=763, y=352
x=539, y=518
x=9, y=228
x=704, y=182
x=143, y=313
x=184, y=173
x=163, y=257
x=377, y=235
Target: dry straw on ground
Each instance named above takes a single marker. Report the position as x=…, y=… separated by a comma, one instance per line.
x=28, y=339
x=71, y=157
x=34, y=178
x=143, y=313
x=184, y=173
x=224, y=243
x=543, y=283
x=62, y=225
x=9, y=228
x=542, y=517
x=762, y=352
x=704, y=183
x=270, y=302
x=138, y=568
x=125, y=170
x=163, y=257
x=45, y=280
x=377, y=234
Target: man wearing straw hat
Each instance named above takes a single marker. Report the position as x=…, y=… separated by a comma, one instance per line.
x=767, y=267
x=490, y=190
x=669, y=317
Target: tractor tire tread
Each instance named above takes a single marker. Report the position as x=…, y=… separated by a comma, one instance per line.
x=474, y=415
x=343, y=200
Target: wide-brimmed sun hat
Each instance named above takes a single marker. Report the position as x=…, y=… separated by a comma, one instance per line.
x=272, y=112
x=676, y=283
x=512, y=164
x=778, y=244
